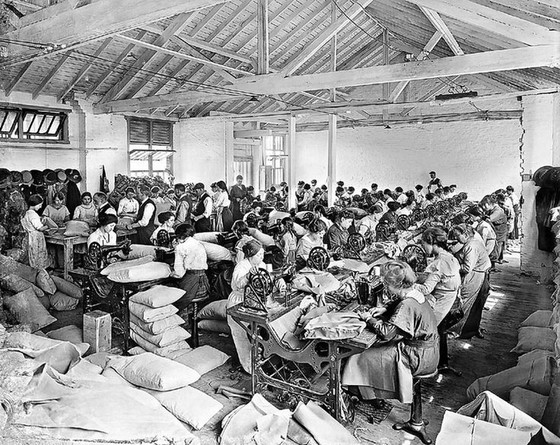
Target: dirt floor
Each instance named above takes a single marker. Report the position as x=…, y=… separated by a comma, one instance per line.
x=513, y=298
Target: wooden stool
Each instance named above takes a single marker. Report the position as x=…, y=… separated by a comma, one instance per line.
x=416, y=425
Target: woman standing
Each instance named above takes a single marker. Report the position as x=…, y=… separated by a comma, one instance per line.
x=475, y=266
x=237, y=193
x=442, y=279
x=409, y=340
x=86, y=211
x=222, y=204
x=35, y=241
x=254, y=255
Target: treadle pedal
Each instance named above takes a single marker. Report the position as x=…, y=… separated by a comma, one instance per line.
x=373, y=414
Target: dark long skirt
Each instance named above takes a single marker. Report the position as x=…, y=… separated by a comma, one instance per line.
x=195, y=284
x=471, y=321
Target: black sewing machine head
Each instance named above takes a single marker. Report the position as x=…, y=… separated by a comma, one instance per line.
x=415, y=257
x=369, y=288
x=384, y=232
x=403, y=222
x=258, y=291
x=355, y=244
x=318, y=258
x=164, y=239
x=98, y=256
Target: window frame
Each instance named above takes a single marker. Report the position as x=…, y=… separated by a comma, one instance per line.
x=62, y=135
x=150, y=143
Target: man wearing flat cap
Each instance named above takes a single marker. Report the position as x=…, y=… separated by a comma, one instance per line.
x=202, y=210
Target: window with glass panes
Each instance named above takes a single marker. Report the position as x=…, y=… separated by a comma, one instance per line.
x=150, y=148
x=22, y=124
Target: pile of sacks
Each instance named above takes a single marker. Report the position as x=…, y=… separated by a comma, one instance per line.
x=154, y=323
x=533, y=385
x=29, y=293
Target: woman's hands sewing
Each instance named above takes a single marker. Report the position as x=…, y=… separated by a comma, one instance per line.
x=374, y=312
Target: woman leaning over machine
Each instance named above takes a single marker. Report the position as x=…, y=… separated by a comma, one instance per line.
x=408, y=340
x=441, y=281
x=475, y=266
x=254, y=255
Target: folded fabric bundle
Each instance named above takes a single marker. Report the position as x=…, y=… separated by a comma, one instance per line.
x=202, y=359
x=529, y=402
x=491, y=408
x=215, y=252
x=263, y=238
x=154, y=372
x=140, y=251
x=123, y=265
x=220, y=326
x=157, y=327
x=530, y=338
x=215, y=310
x=168, y=337
x=536, y=376
x=27, y=309
x=62, y=302
x=144, y=272
x=166, y=351
x=324, y=428
x=148, y=314
x=189, y=405
x=13, y=283
x=68, y=288
x=158, y=296
x=539, y=319
x=208, y=237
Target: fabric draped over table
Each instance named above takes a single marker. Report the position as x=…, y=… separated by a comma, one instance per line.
x=386, y=370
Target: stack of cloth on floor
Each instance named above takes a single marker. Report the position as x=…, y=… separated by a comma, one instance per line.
x=260, y=422
x=213, y=317
x=154, y=323
x=489, y=420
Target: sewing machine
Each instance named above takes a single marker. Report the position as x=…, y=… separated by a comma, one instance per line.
x=99, y=256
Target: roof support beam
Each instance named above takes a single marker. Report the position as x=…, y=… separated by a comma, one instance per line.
x=100, y=18
x=423, y=55
x=158, y=48
x=440, y=25
x=484, y=62
x=83, y=71
x=9, y=87
x=164, y=101
x=263, y=57
x=325, y=36
x=51, y=74
x=177, y=24
x=491, y=20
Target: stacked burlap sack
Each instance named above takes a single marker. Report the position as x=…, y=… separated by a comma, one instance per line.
x=28, y=293
x=532, y=385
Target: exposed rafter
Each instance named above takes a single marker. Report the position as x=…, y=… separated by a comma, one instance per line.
x=484, y=62
x=263, y=57
x=10, y=86
x=440, y=25
x=491, y=20
x=51, y=74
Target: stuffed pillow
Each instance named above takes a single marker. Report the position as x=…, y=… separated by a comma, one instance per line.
x=123, y=265
x=530, y=338
x=27, y=309
x=158, y=296
x=215, y=252
x=10, y=266
x=45, y=282
x=145, y=272
x=148, y=314
x=77, y=228
x=216, y=310
x=13, y=283
x=62, y=302
x=157, y=327
x=540, y=319
x=68, y=288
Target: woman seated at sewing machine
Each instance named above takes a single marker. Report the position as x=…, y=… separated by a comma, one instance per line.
x=390, y=216
x=166, y=221
x=314, y=238
x=337, y=235
x=105, y=235
x=241, y=230
x=408, y=340
x=252, y=262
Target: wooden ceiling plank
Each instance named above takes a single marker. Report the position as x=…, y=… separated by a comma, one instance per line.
x=50, y=75
x=423, y=55
x=83, y=71
x=177, y=24
x=113, y=66
x=290, y=18
x=225, y=23
x=100, y=18
x=29, y=5
x=440, y=25
x=163, y=101
x=263, y=55
x=222, y=70
x=484, y=62
x=204, y=22
x=325, y=36
x=203, y=61
x=182, y=64
x=491, y=20
x=10, y=86
x=156, y=69
x=442, y=86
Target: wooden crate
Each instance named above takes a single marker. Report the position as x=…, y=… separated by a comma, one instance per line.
x=97, y=330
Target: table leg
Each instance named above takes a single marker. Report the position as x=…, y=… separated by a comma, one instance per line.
x=68, y=258
x=254, y=357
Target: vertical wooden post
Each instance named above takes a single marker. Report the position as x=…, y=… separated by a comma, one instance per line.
x=333, y=48
x=291, y=171
x=386, y=86
x=228, y=167
x=331, y=154
x=262, y=37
